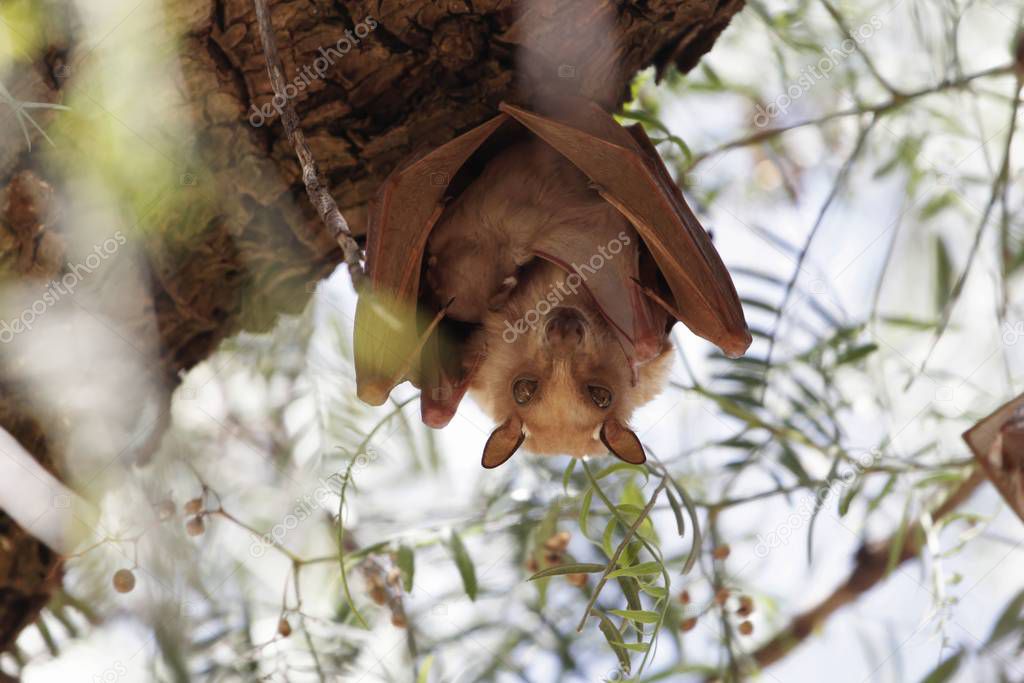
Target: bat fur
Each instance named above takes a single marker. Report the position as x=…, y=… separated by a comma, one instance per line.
x=535, y=320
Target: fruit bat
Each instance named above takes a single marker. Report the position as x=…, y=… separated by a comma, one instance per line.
x=538, y=262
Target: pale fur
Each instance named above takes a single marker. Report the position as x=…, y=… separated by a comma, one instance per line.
x=561, y=418
x=489, y=232
x=488, y=235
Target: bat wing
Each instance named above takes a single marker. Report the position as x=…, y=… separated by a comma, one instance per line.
x=629, y=174
x=389, y=330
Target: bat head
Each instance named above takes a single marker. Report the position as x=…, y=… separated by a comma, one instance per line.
x=553, y=374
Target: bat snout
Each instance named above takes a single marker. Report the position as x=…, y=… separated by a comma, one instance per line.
x=565, y=329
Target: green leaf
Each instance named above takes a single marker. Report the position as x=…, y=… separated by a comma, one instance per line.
x=791, y=461
x=1009, y=621
x=631, y=589
x=606, y=538
x=938, y=204
x=642, y=569
x=695, y=547
x=658, y=592
x=643, y=616
x=899, y=540
x=619, y=467
x=856, y=353
x=585, y=511
x=562, y=569
x=943, y=275
x=636, y=647
x=424, y=674
x=614, y=638
x=464, y=564
x=944, y=671
x=567, y=475
x=407, y=566
x=677, y=512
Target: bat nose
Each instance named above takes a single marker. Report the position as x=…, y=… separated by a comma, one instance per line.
x=564, y=329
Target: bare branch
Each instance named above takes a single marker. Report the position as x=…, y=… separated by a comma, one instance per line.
x=316, y=188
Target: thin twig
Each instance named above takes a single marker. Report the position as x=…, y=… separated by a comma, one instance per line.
x=998, y=184
x=316, y=188
x=836, y=186
x=885, y=107
x=871, y=568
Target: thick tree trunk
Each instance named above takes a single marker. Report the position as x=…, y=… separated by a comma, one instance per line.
x=401, y=76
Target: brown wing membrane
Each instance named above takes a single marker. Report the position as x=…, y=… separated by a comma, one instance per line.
x=388, y=333
x=631, y=177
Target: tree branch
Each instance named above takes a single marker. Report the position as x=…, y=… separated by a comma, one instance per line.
x=870, y=569
x=316, y=188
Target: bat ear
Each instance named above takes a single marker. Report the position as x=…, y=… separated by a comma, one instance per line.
x=622, y=442
x=503, y=443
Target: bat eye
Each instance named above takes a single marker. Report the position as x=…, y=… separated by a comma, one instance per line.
x=601, y=396
x=523, y=390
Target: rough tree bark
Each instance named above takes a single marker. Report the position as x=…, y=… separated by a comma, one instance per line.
x=249, y=246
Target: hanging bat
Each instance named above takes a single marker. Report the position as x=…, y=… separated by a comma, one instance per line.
x=538, y=262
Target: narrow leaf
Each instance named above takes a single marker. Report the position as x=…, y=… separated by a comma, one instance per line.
x=562, y=569
x=464, y=564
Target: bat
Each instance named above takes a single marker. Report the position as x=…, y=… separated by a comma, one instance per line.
x=997, y=443
x=539, y=263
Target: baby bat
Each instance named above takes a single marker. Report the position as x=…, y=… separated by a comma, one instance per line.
x=558, y=252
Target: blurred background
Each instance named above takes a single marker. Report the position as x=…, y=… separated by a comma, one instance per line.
x=861, y=168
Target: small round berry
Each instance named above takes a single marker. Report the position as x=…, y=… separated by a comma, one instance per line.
x=746, y=628
x=721, y=552
x=721, y=596
x=193, y=506
x=195, y=526
x=378, y=595
x=684, y=597
x=284, y=628
x=124, y=581
x=398, y=620
x=688, y=624
x=746, y=606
